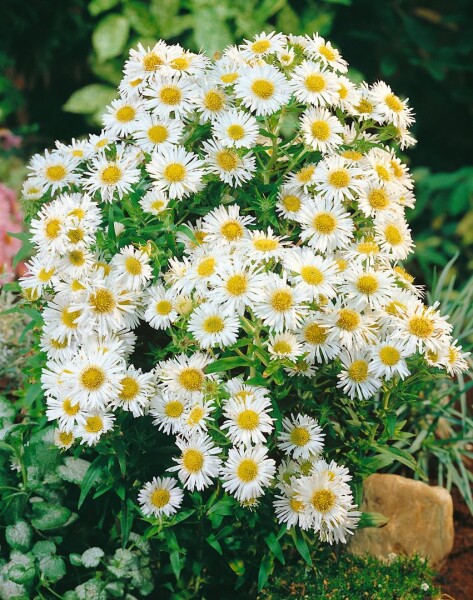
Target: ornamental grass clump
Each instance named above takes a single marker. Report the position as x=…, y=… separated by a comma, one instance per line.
x=224, y=261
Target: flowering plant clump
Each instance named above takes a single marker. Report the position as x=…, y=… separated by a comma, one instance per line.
x=224, y=261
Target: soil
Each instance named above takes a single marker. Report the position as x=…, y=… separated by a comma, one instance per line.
x=456, y=576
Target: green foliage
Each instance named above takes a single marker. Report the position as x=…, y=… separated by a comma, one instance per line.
x=344, y=576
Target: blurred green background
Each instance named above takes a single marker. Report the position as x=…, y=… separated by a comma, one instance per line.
x=61, y=61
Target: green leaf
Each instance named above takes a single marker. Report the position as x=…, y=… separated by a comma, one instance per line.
x=301, y=544
x=265, y=570
x=92, y=476
x=274, y=546
x=90, y=99
x=225, y=364
x=214, y=543
x=110, y=36
x=99, y=6
x=372, y=519
x=25, y=250
x=49, y=516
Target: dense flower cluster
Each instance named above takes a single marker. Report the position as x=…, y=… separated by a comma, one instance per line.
x=281, y=216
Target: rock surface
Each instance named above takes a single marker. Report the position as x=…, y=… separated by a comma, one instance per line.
x=420, y=519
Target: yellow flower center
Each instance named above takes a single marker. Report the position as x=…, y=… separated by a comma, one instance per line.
x=160, y=498
x=368, y=248
x=236, y=132
x=320, y=130
x=174, y=409
x=383, y=172
x=181, y=63
x=157, y=205
x=170, y=95
x=237, y=285
x=214, y=100
x=324, y=223
x=66, y=437
x=232, y=230
x=296, y=505
x=68, y=317
x=57, y=344
x=125, y=114
x=315, y=334
x=163, y=307
x=76, y=285
x=364, y=107
x=191, y=379
x=130, y=389
x=315, y=83
x=206, y=267
x=397, y=169
x=323, y=500
x=158, y=134
x=393, y=102
x=193, y=460
x=352, y=155
x=404, y=274
x=339, y=178
x=327, y=52
x=261, y=46
x=111, y=175
x=133, y=266
x=421, y=326
x=263, y=88
x=348, y=319
x=300, y=436
x=229, y=77
x=341, y=264
x=227, y=160
x=393, y=235
x=312, y=275
x=196, y=415
x=70, y=409
x=175, y=172
x=248, y=419
x=102, y=301
x=291, y=203
x=395, y=308
x=378, y=199
x=358, y=371
x=265, y=244
x=56, y=172
x=305, y=174
x=389, y=355
x=342, y=92
x=52, y=229
x=213, y=324
x=367, y=284
x=282, y=347
x=45, y=275
x=152, y=62
x=247, y=470
x=93, y=424
x=282, y=300
x=92, y=378
x=75, y=235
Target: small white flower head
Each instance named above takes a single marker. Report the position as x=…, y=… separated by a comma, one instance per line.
x=301, y=437
x=326, y=226
x=247, y=420
x=321, y=130
x=224, y=224
x=160, y=310
x=153, y=133
x=63, y=439
x=234, y=128
x=290, y=202
x=247, y=472
x=198, y=464
x=311, y=83
x=279, y=305
x=160, y=497
x=176, y=171
x=284, y=345
x=184, y=376
x=212, y=328
x=263, y=44
x=168, y=412
x=121, y=117
x=95, y=424
x=136, y=390
x=323, y=51
x=388, y=359
x=154, y=202
x=170, y=96
x=131, y=266
x=357, y=378
x=230, y=166
x=262, y=89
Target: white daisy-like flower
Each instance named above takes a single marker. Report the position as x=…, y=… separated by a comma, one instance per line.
x=198, y=464
x=353, y=328
x=357, y=378
x=326, y=226
x=61, y=318
x=367, y=107
x=312, y=84
x=303, y=367
x=339, y=532
x=153, y=133
x=286, y=56
x=262, y=89
x=290, y=202
x=211, y=101
x=177, y=171
x=319, y=342
x=247, y=420
x=111, y=176
x=63, y=439
x=41, y=274
x=226, y=71
x=363, y=287
x=228, y=164
x=313, y=274
x=160, y=497
x=33, y=189
x=122, y=116
x=301, y=437
x=54, y=170
x=394, y=236
x=197, y=416
x=144, y=62
x=95, y=424
x=236, y=128
x=319, y=49
x=262, y=246
x=182, y=62
x=289, y=510
x=224, y=224
x=365, y=251
x=284, y=345
x=335, y=472
x=348, y=94
x=184, y=376
x=67, y=413
x=167, y=96
x=321, y=130
x=391, y=107
x=136, y=389
x=336, y=179
x=302, y=179
x=131, y=266
x=263, y=44
x=154, y=202
x=422, y=328
x=247, y=472
x=207, y=261
x=279, y=305
x=160, y=311
x=388, y=360
x=212, y=328
x=168, y=412
x=376, y=200
x=78, y=149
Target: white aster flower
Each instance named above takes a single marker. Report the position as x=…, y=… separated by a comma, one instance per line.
x=170, y=96
x=337, y=179
x=326, y=226
x=263, y=44
x=357, y=378
x=168, y=412
x=212, y=328
x=279, y=305
x=95, y=424
x=388, y=360
x=247, y=472
x=184, y=376
x=236, y=128
x=319, y=49
x=136, y=389
x=160, y=497
x=321, y=130
x=177, y=171
x=301, y=437
x=198, y=464
x=231, y=167
x=153, y=133
x=122, y=116
x=313, y=274
x=262, y=89
x=247, y=420
x=312, y=84
x=225, y=224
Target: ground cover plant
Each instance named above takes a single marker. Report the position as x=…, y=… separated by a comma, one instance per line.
x=222, y=316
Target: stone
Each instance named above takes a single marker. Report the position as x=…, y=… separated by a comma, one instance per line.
x=420, y=519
